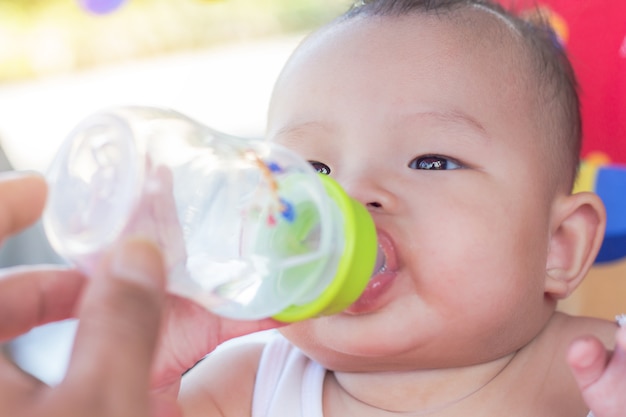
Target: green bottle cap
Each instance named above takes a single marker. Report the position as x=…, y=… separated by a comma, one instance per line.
x=355, y=265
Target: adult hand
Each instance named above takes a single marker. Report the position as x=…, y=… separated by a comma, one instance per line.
x=119, y=318
x=601, y=375
x=119, y=309
x=189, y=333
x=33, y=296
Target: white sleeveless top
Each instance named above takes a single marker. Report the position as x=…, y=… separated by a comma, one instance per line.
x=288, y=383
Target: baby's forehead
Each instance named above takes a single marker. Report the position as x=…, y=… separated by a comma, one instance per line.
x=479, y=43
x=478, y=23
x=473, y=23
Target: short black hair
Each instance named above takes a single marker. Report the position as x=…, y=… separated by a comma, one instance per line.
x=557, y=90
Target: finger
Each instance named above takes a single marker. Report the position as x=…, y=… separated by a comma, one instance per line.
x=602, y=381
x=17, y=387
x=236, y=328
x=191, y=321
x=22, y=198
x=587, y=358
x=165, y=407
x=615, y=371
x=32, y=296
x=191, y=331
x=119, y=324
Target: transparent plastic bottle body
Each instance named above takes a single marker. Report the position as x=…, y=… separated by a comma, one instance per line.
x=248, y=228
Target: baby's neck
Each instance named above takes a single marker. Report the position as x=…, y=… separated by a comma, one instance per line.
x=413, y=393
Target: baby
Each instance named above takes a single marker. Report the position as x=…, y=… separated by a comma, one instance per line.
x=457, y=125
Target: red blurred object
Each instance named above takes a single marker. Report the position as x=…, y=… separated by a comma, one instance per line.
x=594, y=35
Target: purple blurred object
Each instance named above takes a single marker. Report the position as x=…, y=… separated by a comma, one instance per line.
x=101, y=6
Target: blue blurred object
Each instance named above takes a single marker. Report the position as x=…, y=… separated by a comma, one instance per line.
x=610, y=185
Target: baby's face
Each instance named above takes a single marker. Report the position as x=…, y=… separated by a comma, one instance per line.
x=429, y=125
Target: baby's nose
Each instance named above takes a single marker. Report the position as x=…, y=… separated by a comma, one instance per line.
x=370, y=192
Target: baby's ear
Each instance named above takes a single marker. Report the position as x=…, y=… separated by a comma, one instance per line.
x=577, y=231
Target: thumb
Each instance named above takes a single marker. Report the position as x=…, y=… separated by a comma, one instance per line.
x=587, y=357
x=119, y=320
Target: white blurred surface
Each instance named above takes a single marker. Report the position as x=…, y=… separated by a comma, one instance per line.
x=226, y=87
x=45, y=351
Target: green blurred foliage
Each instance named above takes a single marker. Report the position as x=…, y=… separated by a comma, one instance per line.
x=41, y=37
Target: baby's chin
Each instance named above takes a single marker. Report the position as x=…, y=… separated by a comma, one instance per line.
x=334, y=360
x=340, y=344
x=354, y=353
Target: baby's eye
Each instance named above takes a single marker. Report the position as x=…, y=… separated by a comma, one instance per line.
x=320, y=167
x=434, y=163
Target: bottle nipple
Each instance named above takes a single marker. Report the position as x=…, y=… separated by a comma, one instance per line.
x=381, y=261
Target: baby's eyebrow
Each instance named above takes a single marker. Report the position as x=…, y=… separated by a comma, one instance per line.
x=294, y=131
x=454, y=117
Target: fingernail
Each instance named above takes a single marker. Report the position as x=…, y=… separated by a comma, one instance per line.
x=579, y=353
x=138, y=261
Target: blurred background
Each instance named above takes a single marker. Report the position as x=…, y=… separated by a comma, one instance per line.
x=61, y=60
x=213, y=60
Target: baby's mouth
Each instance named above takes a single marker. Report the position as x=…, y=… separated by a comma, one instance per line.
x=383, y=276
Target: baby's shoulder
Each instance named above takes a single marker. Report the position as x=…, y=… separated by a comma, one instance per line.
x=540, y=369
x=568, y=328
x=545, y=356
x=224, y=380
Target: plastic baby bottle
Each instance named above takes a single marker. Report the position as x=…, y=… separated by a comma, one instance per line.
x=248, y=228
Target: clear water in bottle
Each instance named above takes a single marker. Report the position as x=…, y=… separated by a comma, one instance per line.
x=248, y=228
